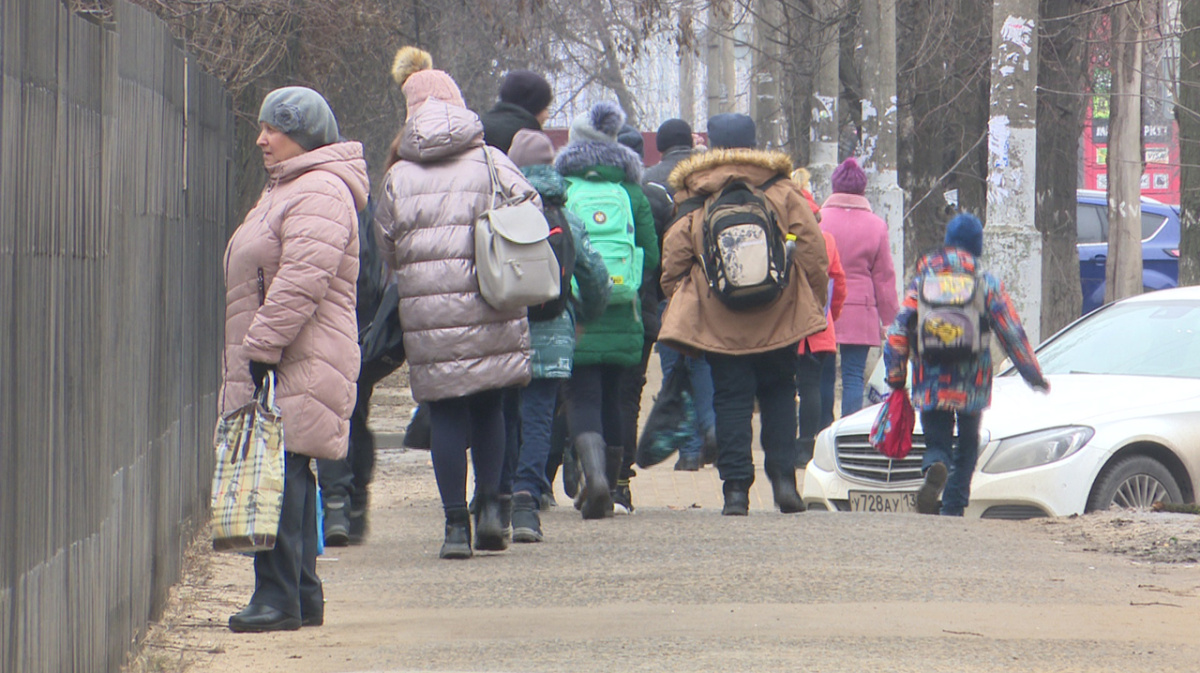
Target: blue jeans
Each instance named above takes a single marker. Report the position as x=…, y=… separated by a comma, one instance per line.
x=537, y=417
x=854, y=361
x=702, y=391
x=940, y=447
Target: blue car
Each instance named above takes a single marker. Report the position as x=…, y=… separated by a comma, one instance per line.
x=1160, y=245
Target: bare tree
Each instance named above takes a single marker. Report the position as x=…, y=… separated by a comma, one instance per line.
x=1187, y=111
x=1123, y=271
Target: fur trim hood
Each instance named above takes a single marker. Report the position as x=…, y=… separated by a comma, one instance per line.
x=774, y=162
x=577, y=158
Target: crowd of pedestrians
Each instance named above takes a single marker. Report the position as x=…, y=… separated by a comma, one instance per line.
x=717, y=257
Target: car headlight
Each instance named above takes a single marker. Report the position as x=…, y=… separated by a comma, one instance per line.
x=1037, y=448
x=823, y=449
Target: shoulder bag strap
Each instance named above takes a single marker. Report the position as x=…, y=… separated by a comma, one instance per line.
x=494, y=177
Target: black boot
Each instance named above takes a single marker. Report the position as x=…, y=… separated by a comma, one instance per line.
x=708, y=452
x=492, y=533
x=337, y=521
x=783, y=487
x=458, y=534
x=622, y=498
x=358, y=520
x=737, y=498
x=594, y=498
x=527, y=525
x=570, y=471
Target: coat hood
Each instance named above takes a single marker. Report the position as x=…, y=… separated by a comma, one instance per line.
x=696, y=173
x=345, y=160
x=577, y=158
x=548, y=182
x=851, y=201
x=947, y=260
x=438, y=130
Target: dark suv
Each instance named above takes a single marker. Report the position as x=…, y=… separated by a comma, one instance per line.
x=1160, y=245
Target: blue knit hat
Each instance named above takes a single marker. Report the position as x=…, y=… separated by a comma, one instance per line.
x=965, y=231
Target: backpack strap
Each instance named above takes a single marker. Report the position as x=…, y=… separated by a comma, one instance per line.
x=776, y=178
x=687, y=207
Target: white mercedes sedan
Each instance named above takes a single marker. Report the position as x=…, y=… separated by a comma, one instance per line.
x=1120, y=427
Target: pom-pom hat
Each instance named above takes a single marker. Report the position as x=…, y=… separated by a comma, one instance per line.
x=600, y=124
x=413, y=71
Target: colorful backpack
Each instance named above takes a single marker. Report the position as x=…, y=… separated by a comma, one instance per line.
x=607, y=213
x=951, y=318
x=746, y=255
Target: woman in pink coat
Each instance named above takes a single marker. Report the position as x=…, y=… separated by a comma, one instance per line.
x=871, y=294
x=290, y=274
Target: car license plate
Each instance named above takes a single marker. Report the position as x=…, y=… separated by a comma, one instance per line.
x=875, y=501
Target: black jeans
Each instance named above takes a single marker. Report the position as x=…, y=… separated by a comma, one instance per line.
x=475, y=421
x=285, y=578
x=512, y=439
x=594, y=402
x=632, y=383
x=812, y=403
x=737, y=381
x=350, y=477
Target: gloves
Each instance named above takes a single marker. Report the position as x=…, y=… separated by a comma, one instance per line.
x=258, y=372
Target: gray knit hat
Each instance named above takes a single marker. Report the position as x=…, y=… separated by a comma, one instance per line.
x=601, y=124
x=301, y=113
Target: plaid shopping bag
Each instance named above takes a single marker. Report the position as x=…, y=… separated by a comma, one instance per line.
x=247, y=490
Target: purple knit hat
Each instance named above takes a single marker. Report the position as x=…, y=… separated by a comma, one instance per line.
x=848, y=178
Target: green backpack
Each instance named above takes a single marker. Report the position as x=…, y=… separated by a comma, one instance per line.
x=605, y=208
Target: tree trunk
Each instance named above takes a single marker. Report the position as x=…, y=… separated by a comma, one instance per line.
x=1187, y=111
x=1012, y=245
x=764, y=98
x=878, y=148
x=687, y=66
x=823, y=154
x=1123, y=270
x=923, y=123
x=1062, y=72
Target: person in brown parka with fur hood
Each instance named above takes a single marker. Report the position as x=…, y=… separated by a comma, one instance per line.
x=752, y=352
x=462, y=353
x=291, y=270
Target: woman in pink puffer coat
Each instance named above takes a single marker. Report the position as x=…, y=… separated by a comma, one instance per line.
x=290, y=274
x=462, y=353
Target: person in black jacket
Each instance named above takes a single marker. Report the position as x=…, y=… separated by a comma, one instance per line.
x=674, y=141
x=524, y=104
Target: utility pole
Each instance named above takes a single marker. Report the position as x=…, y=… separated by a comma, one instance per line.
x=823, y=151
x=1123, y=270
x=764, y=99
x=1012, y=245
x=878, y=150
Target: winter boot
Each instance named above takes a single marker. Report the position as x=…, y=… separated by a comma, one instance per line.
x=337, y=521
x=458, y=534
x=570, y=471
x=594, y=498
x=621, y=496
x=491, y=531
x=737, y=498
x=927, y=495
x=358, y=520
x=527, y=525
x=783, y=487
x=709, y=451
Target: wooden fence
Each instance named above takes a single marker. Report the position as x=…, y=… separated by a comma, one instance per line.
x=115, y=175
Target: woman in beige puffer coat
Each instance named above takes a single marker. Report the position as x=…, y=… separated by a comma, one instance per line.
x=461, y=352
x=291, y=269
